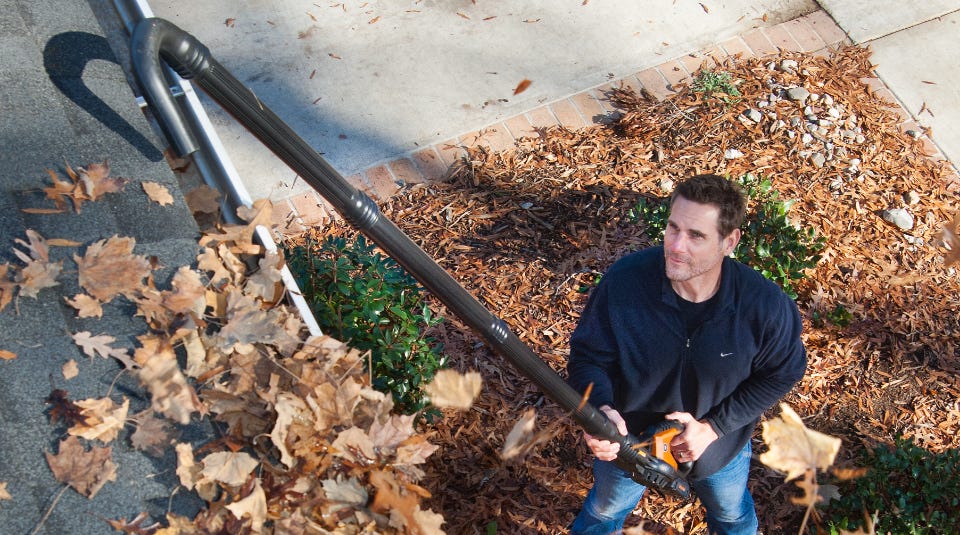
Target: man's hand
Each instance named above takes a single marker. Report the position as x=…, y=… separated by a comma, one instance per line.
x=689, y=445
x=604, y=449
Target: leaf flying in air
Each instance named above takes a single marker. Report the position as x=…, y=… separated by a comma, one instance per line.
x=450, y=389
x=522, y=86
x=794, y=449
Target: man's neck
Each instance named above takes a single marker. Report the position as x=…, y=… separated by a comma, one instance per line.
x=698, y=289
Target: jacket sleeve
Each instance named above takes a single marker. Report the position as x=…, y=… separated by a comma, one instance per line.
x=593, y=350
x=778, y=366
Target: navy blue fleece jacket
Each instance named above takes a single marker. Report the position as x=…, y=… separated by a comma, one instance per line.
x=632, y=345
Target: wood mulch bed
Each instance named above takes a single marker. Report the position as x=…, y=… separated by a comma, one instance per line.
x=528, y=230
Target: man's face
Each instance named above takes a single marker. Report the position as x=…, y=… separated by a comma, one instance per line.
x=692, y=244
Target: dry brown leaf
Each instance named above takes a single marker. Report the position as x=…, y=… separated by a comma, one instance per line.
x=452, y=390
x=393, y=500
x=208, y=260
x=62, y=409
x=414, y=450
x=197, y=363
x=85, y=471
x=521, y=436
x=159, y=372
x=390, y=433
x=333, y=405
x=289, y=408
x=354, y=444
x=70, y=369
x=103, y=419
x=794, y=449
x=62, y=242
x=814, y=493
x=109, y=268
x=245, y=414
x=248, y=324
x=187, y=469
x=846, y=474
x=428, y=522
x=157, y=193
x=96, y=180
x=522, y=86
x=403, y=507
x=152, y=435
x=951, y=240
x=228, y=467
x=260, y=213
x=61, y=191
x=7, y=355
x=39, y=272
x=100, y=345
x=135, y=526
x=7, y=286
x=86, y=306
x=4, y=494
x=253, y=505
x=266, y=283
x=203, y=200
x=43, y=211
x=188, y=294
x=344, y=493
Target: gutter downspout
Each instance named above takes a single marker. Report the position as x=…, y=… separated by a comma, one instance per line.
x=155, y=39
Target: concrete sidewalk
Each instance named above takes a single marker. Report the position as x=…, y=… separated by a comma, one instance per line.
x=390, y=92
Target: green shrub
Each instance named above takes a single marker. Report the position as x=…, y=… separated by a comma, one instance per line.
x=912, y=490
x=770, y=243
x=366, y=299
x=839, y=316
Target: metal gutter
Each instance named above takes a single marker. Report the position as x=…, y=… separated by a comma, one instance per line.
x=195, y=136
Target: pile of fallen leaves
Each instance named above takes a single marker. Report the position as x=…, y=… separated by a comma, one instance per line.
x=528, y=230
x=300, y=442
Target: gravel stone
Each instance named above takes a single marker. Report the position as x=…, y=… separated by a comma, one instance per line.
x=899, y=217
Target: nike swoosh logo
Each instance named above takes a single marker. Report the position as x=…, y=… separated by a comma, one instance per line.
x=725, y=355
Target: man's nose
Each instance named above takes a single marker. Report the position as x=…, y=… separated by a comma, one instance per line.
x=676, y=243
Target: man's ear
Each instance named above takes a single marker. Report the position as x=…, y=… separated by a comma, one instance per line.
x=731, y=241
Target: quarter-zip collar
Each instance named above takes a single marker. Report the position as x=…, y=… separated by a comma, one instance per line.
x=726, y=291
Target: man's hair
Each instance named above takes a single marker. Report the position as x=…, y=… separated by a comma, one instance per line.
x=718, y=191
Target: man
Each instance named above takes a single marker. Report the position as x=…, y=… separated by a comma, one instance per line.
x=682, y=332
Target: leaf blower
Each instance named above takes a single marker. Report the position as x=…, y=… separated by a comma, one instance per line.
x=156, y=39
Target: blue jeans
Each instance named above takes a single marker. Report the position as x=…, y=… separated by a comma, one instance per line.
x=724, y=495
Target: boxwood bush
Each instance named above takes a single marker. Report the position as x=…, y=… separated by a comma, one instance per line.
x=366, y=299
x=911, y=490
